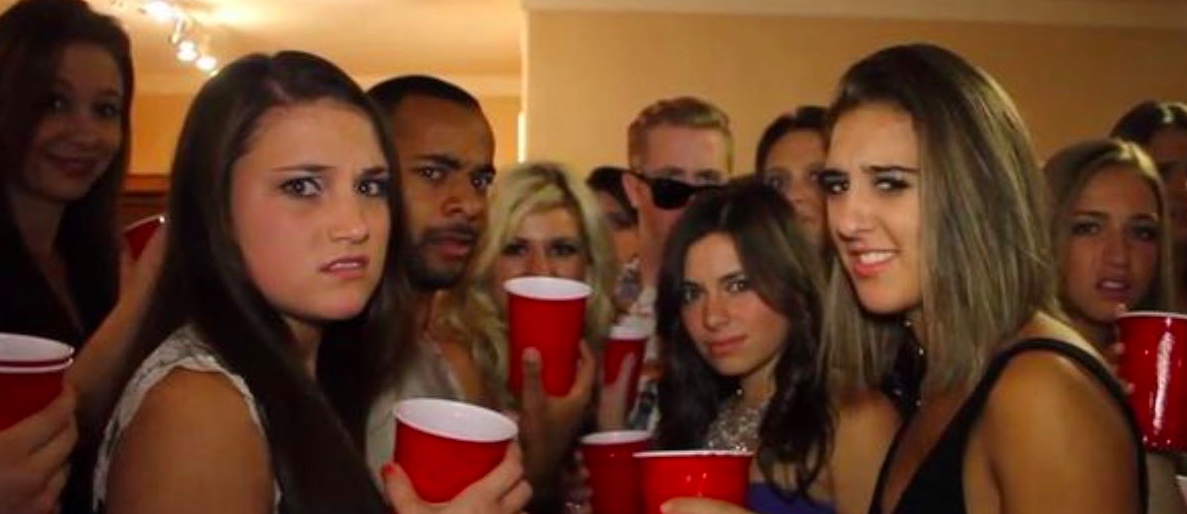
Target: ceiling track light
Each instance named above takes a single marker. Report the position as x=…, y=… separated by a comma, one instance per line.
x=190, y=41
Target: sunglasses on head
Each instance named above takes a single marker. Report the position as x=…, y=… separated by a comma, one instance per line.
x=671, y=194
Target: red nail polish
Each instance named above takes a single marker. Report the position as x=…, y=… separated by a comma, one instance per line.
x=387, y=470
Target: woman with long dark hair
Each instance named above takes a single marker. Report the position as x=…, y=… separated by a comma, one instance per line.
x=66, y=87
x=739, y=312
x=279, y=315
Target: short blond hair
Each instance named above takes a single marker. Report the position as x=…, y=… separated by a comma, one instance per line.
x=683, y=111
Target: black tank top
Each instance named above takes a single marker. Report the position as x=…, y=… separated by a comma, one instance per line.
x=938, y=484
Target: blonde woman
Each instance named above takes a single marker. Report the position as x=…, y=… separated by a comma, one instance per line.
x=1113, y=237
x=541, y=220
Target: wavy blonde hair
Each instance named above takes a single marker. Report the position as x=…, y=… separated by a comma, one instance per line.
x=471, y=312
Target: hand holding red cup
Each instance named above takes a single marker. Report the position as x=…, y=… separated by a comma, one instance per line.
x=1154, y=363
x=717, y=475
x=614, y=475
x=444, y=446
x=31, y=373
x=548, y=314
x=140, y=232
x=625, y=340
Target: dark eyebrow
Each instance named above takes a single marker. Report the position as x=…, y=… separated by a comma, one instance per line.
x=375, y=170
x=485, y=169
x=443, y=160
x=306, y=167
x=882, y=168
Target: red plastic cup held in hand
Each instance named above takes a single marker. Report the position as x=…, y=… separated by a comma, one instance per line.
x=444, y=446
x=548, y=314
x=614, y=475
x=717, y=475
x=1154, y=360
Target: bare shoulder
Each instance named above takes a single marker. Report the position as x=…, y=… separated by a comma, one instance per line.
x=1044, y=380
x=175, y=454
x=1052, y=425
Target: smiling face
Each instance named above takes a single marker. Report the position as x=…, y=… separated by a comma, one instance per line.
x=871, y=185
x=1112, y=248
x=791, y=168
x=546, y=243
x=309, y=210
x=80, y=132
x=734, y=330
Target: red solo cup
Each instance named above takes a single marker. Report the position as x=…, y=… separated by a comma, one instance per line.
x=625, y=339
x=28, y=390
x=614, y=475
x=141, y=231
x=1154, y=360
x=22, y=351
x=718, y=475
x=548, y=314
x=445, y=446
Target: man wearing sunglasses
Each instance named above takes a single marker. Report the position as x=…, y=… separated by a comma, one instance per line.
x=676, y=148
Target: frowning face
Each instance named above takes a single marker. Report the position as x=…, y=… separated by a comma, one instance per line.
x=309, y=210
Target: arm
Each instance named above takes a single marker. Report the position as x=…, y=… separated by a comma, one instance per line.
x=108, y=358
x=33, y=458
x=1056, y=441
x=613, y=404
x=548, y=424
x=866, y=424
x=191, y=448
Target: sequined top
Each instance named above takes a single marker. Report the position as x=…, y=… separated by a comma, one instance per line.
x=736, y=426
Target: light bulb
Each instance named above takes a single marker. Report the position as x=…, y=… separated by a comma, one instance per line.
x=206, y=63
x=159, y=10
x=187, y=54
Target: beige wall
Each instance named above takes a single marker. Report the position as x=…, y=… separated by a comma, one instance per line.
x=157, y=121
x=589, y=73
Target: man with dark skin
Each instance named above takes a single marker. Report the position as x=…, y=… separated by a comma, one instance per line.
x=445, y=150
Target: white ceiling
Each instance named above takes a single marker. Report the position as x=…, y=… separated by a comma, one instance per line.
x=477, y=42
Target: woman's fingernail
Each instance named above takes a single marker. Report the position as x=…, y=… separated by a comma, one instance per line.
x=387, y=471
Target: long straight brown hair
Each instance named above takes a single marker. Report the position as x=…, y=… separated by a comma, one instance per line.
x=985, y=265
x=315, y=429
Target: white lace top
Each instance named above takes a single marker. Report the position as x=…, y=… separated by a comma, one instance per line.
x=182, y=350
